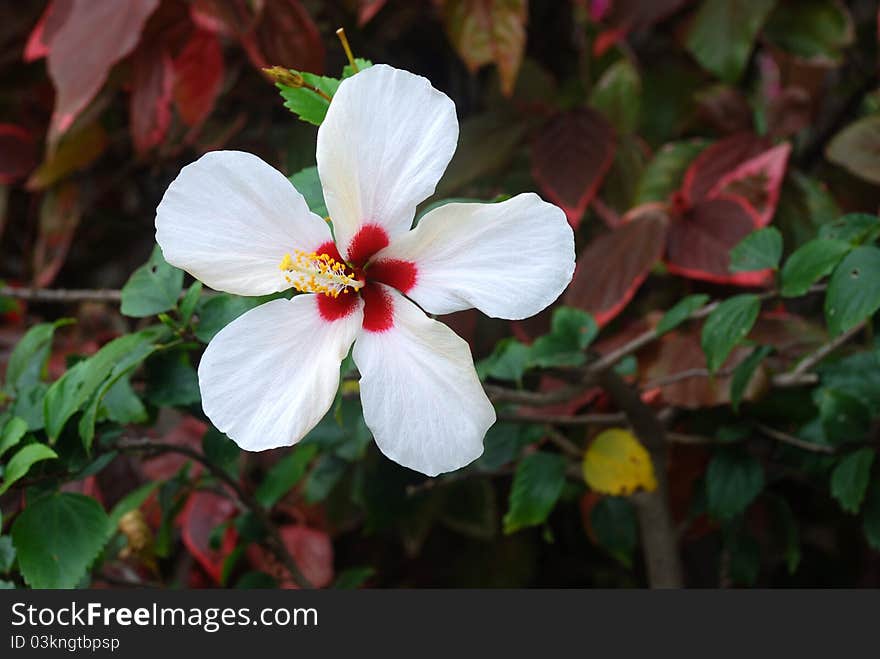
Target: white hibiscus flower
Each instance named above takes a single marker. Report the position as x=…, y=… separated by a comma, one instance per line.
x=239, y=226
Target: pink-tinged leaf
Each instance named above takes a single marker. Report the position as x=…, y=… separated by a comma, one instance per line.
x=188, y=433
x=79, y=149
x=621, y=17
x=198, y=77
x=60, y=213
x=700, y=240
x=285, y=35
x=367, y=9
x=204, y=512
x=18, y=153
x=489, y=31
x=570, y=157
x=227, y=18
x=614, y=265
x=152, y=85
x=758, y=181
x=96, y=35
x=716, y=161
x=310, y=548
x=39, y=42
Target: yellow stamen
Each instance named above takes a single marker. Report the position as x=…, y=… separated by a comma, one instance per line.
x=311, y=272
x=341, y=34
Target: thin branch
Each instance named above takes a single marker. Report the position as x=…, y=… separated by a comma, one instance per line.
x=275, y=544
x=785, y=438
x=566, y=420
x=564, y=444
x=69, y=295
x=809, y=362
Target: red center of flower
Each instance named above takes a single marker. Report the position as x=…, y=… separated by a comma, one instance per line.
x=378, y=304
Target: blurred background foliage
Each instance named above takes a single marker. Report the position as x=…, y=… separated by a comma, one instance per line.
x=669, y=131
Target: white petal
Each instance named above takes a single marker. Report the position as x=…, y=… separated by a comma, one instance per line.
x=509, y=260
x=229, y=218
x=383, y=146
x=269, y=376
x=420, y=393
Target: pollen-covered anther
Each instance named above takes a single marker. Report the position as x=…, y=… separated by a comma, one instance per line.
x=311, y=272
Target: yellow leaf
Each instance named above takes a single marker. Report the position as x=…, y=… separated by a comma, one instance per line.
x=616, y=463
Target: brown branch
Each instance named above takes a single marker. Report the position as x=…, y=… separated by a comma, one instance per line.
x=61, y=294
x=566, y=420
x=801, y=373
x=659, y=537
x=785, y=438
x=274, y=543
x=564, y=444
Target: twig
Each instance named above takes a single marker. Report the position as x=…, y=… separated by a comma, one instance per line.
x=565, y=420
x=275, y=544
x=785, y=438
x=69, y=295
x=565, y=444
x=807, y=364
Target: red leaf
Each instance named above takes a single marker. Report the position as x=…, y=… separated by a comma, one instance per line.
x=95, y=35
x=310, y=548
x=367, y=9
x=205, y=511
x=18, y=153
x=758, y=181
x=39, y=42
x=700, y=240
x=198, y=77
x=60, y=213
x=614, y=265
x=570, y=157
x=285, y=35
x=188, y=432
x=625, y=16
x=152, y=85
x=716, y=161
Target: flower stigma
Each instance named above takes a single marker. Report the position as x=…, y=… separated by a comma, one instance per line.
x=310, y=272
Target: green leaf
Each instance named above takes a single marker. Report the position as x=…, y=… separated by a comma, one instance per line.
x=844, y=418
x=733, y=480
x=353, y=577
x=614, y=523
x=508, y=361
x=743, y=373
x=723, y=33
x=122, y=405
x=850, y=478
x=152, y=288
x=617, y=95
x=286, y=473
x=537, y=484
x=27, y=363
x=572, y=330
x=221, y=451
x=7, y=554
x=854, y=228
x=745, y=558
x=218, y=311
x=22, y=461
x=172, y=381
x=727, y=326
x=759, y=250
x=809, y=263
x=854, y=290
x=189, y=301
x=871, y=516
x=327, y=472
x=90, y=379
x=786, y=530
x=307, y=182
x=129, y=502
x=664, y=174
x=13, y=430
x=504, y=442
x=811, y=28
x=308, y=105
x=348, y=70
x=57, y=537
x=680, y=312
